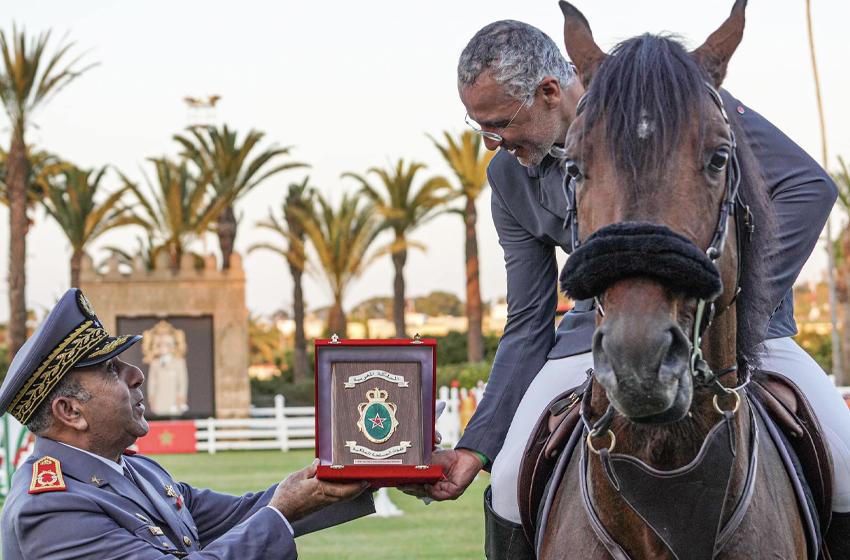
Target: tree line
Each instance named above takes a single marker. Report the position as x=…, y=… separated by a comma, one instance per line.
x=181, y=199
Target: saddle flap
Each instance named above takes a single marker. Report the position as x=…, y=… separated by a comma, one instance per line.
x=549, y=437
x=790, y=410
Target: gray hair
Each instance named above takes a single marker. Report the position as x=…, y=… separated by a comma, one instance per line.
x=517, y=55
x=68, y=387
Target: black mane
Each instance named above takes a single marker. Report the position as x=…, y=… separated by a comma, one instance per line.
x=654, y=78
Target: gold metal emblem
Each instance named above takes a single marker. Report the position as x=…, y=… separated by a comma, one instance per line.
x=156, y=531
x=96, y=480
x=87, y=308
x=377, y=417
x=143, y=518
x=188, y=541
x=169, y=491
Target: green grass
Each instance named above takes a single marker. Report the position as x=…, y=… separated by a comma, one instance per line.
x=445, y=531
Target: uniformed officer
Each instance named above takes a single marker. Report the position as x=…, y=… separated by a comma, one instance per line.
x=81, y=495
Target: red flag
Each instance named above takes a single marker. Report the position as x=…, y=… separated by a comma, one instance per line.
x=169, y=437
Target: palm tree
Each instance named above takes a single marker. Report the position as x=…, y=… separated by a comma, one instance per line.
x=341, y=238
x=837, y=365
x=69, y=198
x=842, y=288
x=148, y=251
x=28, y=79
x=469, y=163
x=181, y=210
x=228, y=169
x=298, y=202
x=40, y=167
x=403, y=210
x=263, y=342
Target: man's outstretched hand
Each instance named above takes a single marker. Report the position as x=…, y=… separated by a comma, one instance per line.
x=459, y=469
x=301, y=493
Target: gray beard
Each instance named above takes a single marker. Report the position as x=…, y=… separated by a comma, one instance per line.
x=533, y=160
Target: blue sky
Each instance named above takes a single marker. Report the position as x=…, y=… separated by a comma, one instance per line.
x=353, y=85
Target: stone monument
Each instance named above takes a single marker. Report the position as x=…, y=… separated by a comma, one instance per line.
x=195, y=318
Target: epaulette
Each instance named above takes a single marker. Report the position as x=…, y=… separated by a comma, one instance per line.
x=47, y=476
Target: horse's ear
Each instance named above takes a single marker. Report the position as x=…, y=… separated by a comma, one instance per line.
x=583, y=50
x=715, y=53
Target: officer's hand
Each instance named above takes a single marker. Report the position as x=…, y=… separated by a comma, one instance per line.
x=459, y=469
x=301, y=493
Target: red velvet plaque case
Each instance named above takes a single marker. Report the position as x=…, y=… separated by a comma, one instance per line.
x=375, y=404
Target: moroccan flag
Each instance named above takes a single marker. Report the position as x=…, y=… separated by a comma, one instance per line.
x=168, y=437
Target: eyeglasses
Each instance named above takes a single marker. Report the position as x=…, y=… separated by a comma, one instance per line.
x=492, y=135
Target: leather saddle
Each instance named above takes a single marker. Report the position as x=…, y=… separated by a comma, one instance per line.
x=791, y=412
x=780, y=398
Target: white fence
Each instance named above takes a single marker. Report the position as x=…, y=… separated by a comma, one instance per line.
x=278, y=427
x=294, y=427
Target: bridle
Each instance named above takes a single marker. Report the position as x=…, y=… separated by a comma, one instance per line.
x=652, y=494
x=731, y=205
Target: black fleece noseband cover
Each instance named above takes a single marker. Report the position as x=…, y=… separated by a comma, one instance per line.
x=628, y=249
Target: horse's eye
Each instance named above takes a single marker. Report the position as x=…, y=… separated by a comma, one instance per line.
x=718, y=161
x=572, y=169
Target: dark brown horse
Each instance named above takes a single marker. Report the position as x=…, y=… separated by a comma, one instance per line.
x=669, y=469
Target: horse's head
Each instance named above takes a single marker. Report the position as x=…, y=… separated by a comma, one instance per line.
x=652, y=157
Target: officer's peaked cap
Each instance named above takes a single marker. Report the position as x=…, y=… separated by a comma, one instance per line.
x=71, y=336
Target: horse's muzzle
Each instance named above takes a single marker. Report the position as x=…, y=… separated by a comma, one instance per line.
x=644, y=370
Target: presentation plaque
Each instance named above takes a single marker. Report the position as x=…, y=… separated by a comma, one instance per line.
x=375, y=410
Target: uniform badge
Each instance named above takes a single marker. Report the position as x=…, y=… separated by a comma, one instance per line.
x=86, y=306
x=96, y=480
x=169, y=491
x=47, y=476
x=377, y=417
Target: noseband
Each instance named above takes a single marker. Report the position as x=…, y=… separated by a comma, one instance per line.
x=629, y=249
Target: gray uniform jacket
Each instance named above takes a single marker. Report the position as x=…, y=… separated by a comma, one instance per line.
x=102, y=515
x=529, y=210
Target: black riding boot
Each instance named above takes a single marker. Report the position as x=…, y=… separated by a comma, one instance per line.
x=503, y=539
x=838, y=536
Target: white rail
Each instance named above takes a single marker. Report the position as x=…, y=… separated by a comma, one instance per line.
x=277, y=427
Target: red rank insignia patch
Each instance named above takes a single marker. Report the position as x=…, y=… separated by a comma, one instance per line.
x=179, y=501
x=47, y=476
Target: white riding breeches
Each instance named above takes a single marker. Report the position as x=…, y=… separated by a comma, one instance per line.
x=785, y=356
x=782, y=355
x=555, y=377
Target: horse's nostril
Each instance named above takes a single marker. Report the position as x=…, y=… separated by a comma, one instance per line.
x=678, y=351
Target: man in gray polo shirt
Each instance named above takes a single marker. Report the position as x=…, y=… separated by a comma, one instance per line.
x=521, y=95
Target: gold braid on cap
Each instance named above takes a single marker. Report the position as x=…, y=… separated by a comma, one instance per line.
x=53, y=368
x=110, y=346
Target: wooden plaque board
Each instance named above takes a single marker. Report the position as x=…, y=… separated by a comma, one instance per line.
x=375, y=410
x=376, y=405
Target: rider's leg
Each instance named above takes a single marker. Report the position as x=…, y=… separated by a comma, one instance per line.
x=555, y=377
x=786, y=357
